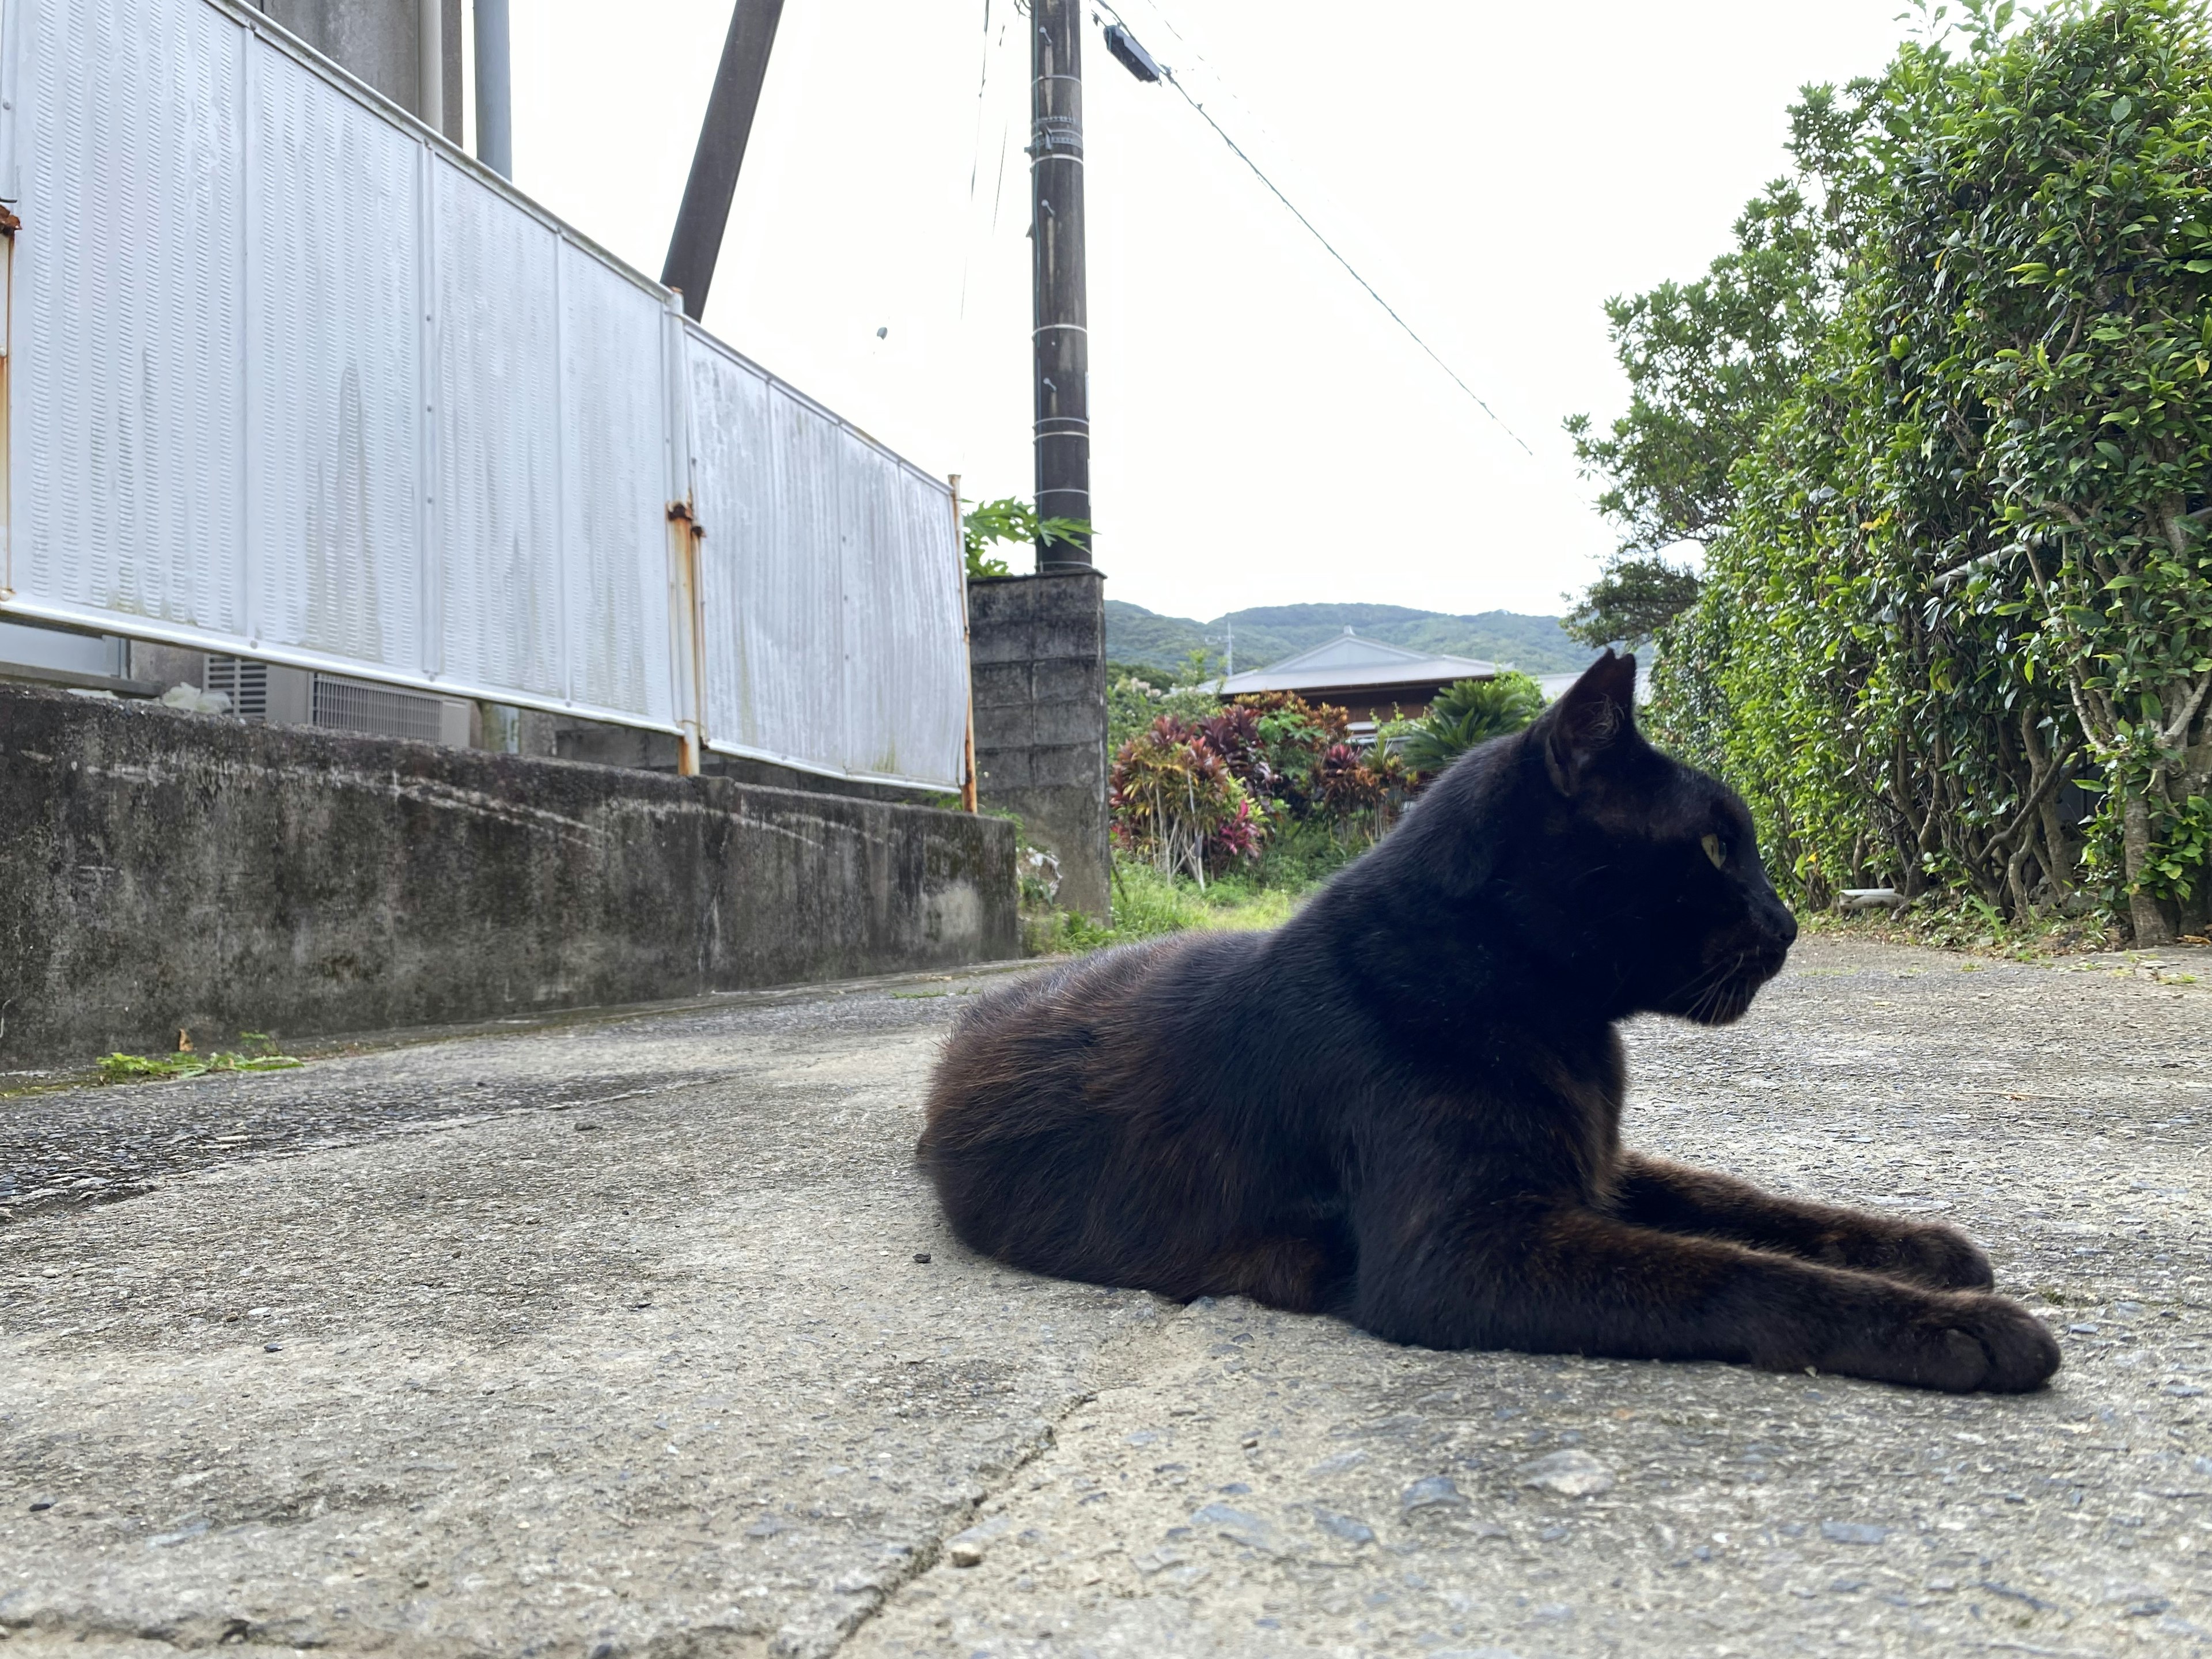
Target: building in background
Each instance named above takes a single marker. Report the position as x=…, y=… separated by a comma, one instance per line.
x=1374, y=681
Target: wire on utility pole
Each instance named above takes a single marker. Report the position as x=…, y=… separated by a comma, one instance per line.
x=1169, y=75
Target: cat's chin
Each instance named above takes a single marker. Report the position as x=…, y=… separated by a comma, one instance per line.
x=1727, y=1007
x=1722, y=1003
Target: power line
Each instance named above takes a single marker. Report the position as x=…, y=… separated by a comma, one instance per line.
x=976, y=161
x=1315, y=230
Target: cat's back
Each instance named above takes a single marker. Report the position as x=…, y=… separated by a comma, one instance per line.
x=1097, y=1034
x=1109, y=1121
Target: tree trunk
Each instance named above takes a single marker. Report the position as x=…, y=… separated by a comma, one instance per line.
x=2058, y=847
x=2056, y=854
x=2016, y=884
x=2152, y=924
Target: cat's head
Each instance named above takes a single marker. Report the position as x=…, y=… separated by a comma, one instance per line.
x=1642, y=873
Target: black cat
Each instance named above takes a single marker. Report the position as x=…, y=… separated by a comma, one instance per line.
x=1403, y=1106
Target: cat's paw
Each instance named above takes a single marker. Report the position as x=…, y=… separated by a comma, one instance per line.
x=1964, y=1341
x=1938, y=1257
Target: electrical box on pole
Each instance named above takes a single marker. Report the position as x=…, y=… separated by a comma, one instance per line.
x=1062, y=347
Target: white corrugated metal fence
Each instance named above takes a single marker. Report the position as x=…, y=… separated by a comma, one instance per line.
x=289, y=377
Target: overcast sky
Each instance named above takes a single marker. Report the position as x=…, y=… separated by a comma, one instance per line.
x=1262, y=434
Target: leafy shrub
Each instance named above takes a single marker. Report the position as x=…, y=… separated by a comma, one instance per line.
x=1966, y=558
x=1291, y=735
x=1233, y=734
x=1177, y=804
x=1268, y=783
x=1286, y=717
x=1134, y=701
x=1009, y=519
x=1466, y=713
x=1346, y=783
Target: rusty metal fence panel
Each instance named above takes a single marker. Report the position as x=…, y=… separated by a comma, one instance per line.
x=830, y=586
x=289, y=378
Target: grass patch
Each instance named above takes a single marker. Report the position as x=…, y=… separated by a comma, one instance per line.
x=260, y=1055
x=1147, y=904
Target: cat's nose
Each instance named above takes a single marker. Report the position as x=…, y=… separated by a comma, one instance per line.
x=1787, y=925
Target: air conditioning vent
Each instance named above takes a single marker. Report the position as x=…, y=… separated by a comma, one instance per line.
x=299, y=697
x=375, y=711
x=246, y=683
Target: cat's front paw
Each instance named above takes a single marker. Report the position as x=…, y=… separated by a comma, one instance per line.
x=1938, y=1257
x=1966, y=1341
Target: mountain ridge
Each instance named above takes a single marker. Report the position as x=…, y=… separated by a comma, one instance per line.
x=1268, y=634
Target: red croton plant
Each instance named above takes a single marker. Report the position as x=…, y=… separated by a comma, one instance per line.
x=1197, y=797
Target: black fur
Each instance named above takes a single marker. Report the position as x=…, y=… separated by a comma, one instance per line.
x=1403, y=1106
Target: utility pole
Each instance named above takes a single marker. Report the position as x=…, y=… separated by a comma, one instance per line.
x=697, y=241
x=1062, y=340
x=1040, y=703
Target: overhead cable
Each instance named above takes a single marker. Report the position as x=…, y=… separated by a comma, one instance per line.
x=976, y=161
x=1276, y=191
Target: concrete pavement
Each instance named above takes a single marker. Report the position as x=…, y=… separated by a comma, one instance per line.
x=611, y=1338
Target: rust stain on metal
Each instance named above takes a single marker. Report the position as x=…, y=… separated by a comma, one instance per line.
x=9, y=224
x=968, y=801
x=684, y=536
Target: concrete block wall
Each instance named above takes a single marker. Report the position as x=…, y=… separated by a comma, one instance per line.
x=1037, y=648
x=161, y=870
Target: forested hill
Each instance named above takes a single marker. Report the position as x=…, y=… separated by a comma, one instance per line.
x=1268, y=634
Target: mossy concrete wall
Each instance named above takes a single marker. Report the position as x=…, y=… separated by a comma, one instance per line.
x=161, y=870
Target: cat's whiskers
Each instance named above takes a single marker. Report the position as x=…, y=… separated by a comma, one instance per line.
x=1701, y=985
x=1723, y=979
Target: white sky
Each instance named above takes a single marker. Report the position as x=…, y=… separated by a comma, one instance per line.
x=1262, y=434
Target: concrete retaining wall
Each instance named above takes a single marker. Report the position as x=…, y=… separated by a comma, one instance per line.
x=160, y=869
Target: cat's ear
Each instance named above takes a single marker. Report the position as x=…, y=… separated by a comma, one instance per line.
x=1595, y=713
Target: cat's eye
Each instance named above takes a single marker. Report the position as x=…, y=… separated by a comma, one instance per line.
x=1716, y=850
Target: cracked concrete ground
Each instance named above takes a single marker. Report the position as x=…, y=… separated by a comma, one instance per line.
x=612, y=1338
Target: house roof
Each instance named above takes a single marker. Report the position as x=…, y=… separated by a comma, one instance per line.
x=1349, y=661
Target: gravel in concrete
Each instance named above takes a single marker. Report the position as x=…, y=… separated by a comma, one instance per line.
x=611, y=1339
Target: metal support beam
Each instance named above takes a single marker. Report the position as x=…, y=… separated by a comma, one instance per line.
x=494, y=89
x=431, y=62
x=697, y=241
x=1062, y=339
